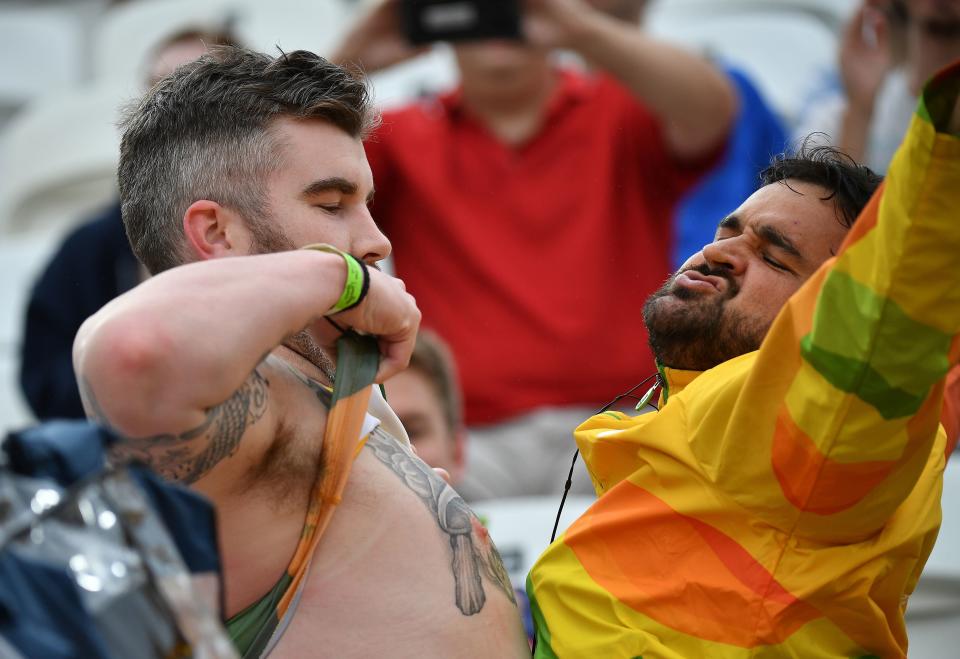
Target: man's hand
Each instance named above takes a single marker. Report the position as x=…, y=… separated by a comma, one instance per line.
x=376, y=41
x=865, y=57
x=693, y=98
x=388, y=312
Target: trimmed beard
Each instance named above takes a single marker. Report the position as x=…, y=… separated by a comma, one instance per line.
x=269, y=238
x=693, y=331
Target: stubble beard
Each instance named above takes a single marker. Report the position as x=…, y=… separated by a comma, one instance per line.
x=269, y=238
x=694, y=331
x=304, y=345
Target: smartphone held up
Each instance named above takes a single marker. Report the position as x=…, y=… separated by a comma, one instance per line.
x=427, y=21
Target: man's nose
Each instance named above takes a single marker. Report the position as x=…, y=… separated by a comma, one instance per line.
x=728, y=254
x=371, y=245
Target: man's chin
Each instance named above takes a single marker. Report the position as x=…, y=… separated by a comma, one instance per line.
x=679, y=301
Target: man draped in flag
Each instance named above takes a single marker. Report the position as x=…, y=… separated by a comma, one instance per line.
x=785, y=497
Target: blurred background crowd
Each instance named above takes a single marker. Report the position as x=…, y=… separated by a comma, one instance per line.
x=533, y=197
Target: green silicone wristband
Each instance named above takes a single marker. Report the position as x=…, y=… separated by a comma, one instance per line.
x=353, y=288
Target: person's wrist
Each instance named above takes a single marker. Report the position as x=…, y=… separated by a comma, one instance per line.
x=356, y=283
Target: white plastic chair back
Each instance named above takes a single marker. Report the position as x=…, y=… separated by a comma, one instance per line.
x=58, y=159
x=127, y=35
x=833, y=13
x=40, y=49
x=21, y=258
x=316, y=25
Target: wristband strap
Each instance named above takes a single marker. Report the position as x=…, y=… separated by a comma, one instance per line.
x=357, y=283
x=364, y=284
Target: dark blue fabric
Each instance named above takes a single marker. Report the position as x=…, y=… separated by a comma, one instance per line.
x=93, y=265
x=68, y=451
x=757, y=134
x=62, y=451
x=41, y=613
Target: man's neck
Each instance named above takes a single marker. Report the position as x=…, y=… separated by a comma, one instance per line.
x=513, y=110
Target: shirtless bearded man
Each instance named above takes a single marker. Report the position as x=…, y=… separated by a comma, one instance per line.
x=216, y=367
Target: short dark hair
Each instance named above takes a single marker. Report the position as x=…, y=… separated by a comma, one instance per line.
x=433, y=359
x=849, y=184
x=204, y=132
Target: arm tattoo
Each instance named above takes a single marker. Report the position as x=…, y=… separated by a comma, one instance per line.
x=473, y=551
x=188, y=456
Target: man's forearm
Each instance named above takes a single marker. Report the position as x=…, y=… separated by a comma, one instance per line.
x=694, y=99
x=854, y=131
x=185, y=340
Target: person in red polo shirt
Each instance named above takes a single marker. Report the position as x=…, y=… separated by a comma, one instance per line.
x=527, y=205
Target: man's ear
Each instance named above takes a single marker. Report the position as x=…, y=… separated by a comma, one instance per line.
x=213, y=231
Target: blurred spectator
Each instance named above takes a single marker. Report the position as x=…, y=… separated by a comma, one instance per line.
x=888, y=51
x=93, y=265
x=426, y=398
x=524, y=205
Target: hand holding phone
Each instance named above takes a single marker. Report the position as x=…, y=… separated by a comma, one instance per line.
x=376, y=39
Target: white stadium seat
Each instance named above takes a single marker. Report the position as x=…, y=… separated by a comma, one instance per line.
x=21, y=258
x=127, y=34
x=520, y=527
x=317, y=26
x=832, y=13
x=58, y=159
x=40, y=49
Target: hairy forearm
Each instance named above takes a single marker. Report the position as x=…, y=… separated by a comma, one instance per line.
x=185, y=340
x=694, y=99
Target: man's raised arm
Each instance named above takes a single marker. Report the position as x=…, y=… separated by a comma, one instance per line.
x=692, y=97
x=849, y=381
x=160, y=359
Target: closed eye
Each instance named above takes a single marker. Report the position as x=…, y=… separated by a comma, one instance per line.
x=776, y=264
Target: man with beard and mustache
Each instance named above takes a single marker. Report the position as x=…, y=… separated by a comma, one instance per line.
x=496, y=186
x=784, y=498
x=216, y=369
